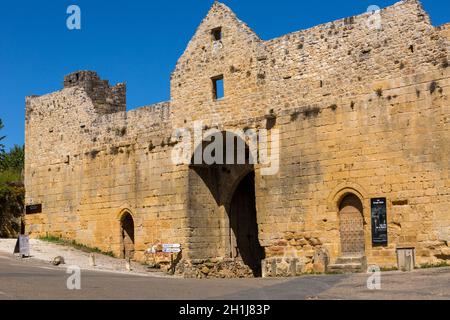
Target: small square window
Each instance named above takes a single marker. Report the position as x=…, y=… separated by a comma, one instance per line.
x=217, y=34
x=218, y=88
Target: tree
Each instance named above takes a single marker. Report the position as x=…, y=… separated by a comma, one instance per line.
x=13, y=160
x=12, y=192
x=2, y=147
x=11, y=206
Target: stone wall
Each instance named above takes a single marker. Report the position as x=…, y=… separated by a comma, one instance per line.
x=445, y=31
x=359, y=110
x=87, y=168
x=105, y=98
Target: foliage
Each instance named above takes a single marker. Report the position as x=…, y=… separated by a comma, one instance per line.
x=11, y=203
x=2, y=147
x=387, y=269
x=442, y=264
x=12, y=192
x=13, y=160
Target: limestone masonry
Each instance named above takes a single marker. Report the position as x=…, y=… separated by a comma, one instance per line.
x=363, y=116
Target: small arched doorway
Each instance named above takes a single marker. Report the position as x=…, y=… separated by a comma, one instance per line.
x=244, y=226
x=127, y=236
x=351, y=226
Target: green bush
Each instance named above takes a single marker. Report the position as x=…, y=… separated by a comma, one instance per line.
x=12, y=191
x=13, y=160
x=441, y=264
x=11, y=204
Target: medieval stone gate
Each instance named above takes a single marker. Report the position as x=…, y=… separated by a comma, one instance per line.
x=223, y=210
x=368, y=118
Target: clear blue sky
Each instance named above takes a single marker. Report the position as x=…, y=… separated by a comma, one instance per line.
x=135, y=41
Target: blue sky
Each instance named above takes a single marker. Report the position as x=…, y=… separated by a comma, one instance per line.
x=134, y=41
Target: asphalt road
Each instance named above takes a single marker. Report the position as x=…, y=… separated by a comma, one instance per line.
x=31, y=279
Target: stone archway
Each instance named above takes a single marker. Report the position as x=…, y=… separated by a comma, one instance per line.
x=127, y=235
x=222, y=207
x=351, y=226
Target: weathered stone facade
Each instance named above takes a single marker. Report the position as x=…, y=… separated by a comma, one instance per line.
x=362, y=112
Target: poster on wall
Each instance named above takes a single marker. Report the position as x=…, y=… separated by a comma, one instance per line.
x=379, y=222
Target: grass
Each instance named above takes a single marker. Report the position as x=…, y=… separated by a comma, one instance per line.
x=74, y=244
x=379, y=92
x=294, y=115
x=442, y=264
x=387, y=269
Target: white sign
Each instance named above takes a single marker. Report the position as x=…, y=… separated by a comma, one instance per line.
x=171, y=248
x=172, y=245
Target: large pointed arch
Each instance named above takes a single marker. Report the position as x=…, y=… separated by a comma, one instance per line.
x=221, y=198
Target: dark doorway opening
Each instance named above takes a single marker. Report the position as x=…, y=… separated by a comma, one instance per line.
x=127, y=230
x=244, y=226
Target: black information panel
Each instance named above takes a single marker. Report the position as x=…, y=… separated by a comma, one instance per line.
x=34, y=208
x=379, y=222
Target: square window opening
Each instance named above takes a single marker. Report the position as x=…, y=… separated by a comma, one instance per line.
x=218, y=88
x=217, y=34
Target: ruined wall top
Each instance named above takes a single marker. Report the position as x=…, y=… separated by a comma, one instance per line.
x=333, y=53
x=107, y=99
x=84, y=79
x=445, y=30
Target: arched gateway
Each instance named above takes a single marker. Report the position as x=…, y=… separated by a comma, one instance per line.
x=222, y=208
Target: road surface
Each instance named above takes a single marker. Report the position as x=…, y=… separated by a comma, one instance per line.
x=32, y=279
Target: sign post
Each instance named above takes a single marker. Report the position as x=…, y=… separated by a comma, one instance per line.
x=23, y=246
x=379, y=222
x=172, y=248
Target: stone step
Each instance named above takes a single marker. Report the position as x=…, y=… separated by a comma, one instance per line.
x=345, y=267
x=350, y=259
x=348, y=264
